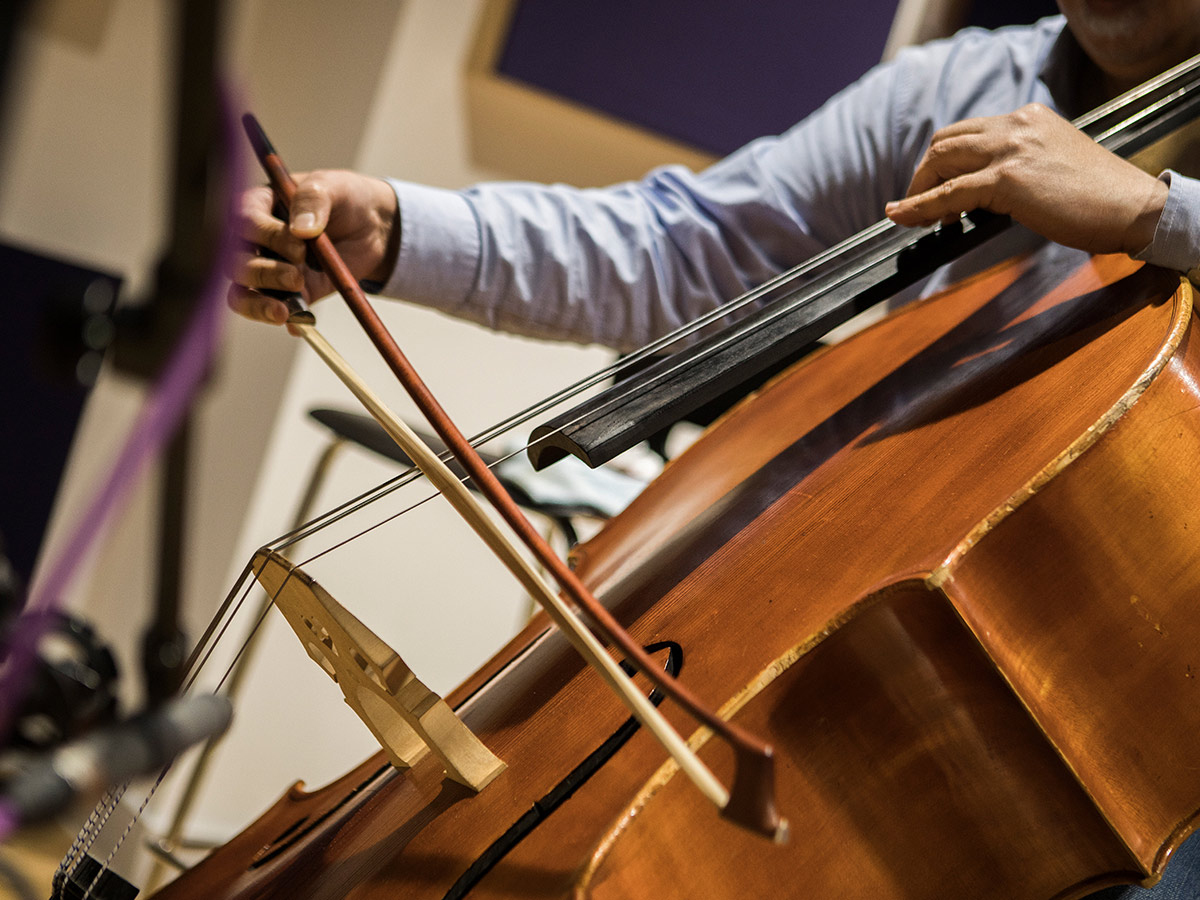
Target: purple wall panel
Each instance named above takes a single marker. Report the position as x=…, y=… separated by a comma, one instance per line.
x=712, y=73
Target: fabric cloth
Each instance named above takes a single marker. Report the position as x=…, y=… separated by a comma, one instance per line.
x=622, y=265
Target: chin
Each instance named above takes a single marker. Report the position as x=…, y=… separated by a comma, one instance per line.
x=1132, y=40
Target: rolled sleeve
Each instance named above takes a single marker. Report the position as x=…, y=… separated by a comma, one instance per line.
x=439, y=247
x=1176, y=243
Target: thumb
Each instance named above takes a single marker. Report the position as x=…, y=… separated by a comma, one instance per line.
x=310, y=208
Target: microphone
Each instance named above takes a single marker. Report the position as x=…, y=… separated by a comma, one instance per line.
x=109, y=756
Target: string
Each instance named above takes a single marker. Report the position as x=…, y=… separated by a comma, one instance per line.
x=207, y=643
x=779, y=283
x=212, y=637
x=521, y=417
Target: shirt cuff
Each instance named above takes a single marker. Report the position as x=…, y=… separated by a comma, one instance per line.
x=439, y=247
x=1176, y=243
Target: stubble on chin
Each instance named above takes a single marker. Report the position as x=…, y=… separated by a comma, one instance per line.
x=1130, y=40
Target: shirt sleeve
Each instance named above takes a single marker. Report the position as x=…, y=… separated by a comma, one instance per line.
x=1176, y=243
x=622, y=265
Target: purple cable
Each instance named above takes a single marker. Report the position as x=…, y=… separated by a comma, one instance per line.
x=8, y=820
x=160, y=415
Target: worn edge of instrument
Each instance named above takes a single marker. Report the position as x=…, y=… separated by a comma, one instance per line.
x=1181, y=322
x=1184, y=300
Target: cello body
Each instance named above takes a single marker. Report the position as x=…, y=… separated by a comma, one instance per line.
x=947, y=568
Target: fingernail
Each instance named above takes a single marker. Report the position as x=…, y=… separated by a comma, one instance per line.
x=277, y=313
x=306, y=221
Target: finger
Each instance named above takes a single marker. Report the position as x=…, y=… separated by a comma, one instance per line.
x=259, y=226
x=253, y=305
x=311, y=205
x=952, y=157
x=316, y=288
x=963, y=126
x=975, y=190
x=265, y=273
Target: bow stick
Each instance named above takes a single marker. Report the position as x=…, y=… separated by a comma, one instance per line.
x=751, y=801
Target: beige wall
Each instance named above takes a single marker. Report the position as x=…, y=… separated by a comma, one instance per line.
x=377, y=86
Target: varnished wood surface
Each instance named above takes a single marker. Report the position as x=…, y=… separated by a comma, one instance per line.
x=1108, y=656
x=916, y=771
x=799, y=539
x=1003, y=424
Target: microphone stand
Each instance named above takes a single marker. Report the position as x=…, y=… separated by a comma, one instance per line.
x=147, y=334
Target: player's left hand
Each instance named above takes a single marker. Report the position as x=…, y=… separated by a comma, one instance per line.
x=1035, y=166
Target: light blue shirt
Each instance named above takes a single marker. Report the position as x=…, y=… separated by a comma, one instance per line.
x=622, y=265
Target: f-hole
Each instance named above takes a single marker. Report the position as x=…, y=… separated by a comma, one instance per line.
x=562, y=791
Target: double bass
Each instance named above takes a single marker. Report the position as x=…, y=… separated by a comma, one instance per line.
x=945, y=566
